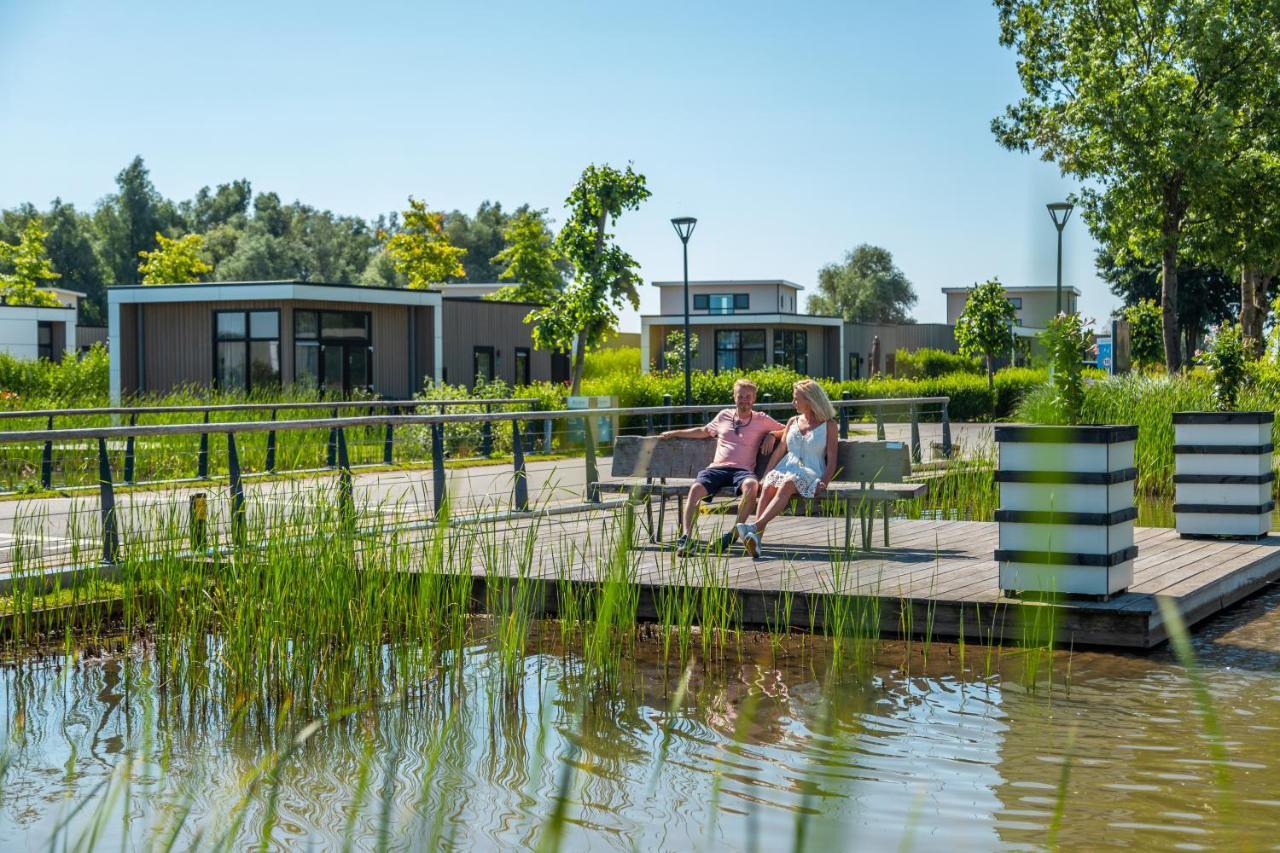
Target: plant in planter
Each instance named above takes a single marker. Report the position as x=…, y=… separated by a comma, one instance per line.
x=1222, y=460
x=1065, y=338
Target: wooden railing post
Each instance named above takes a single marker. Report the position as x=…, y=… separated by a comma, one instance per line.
x=271, y=447
x=521, y=498
x=128, y=452
x=107, y=506
x=389, y=438
x=946, y=430
x=437, y=467
x=238, y=531
x=46, y=459
x=202, y=458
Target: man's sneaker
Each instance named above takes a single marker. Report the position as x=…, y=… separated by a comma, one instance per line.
x=750, y=539
x=723, y=543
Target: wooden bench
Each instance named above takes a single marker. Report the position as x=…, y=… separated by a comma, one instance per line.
x=868, y=473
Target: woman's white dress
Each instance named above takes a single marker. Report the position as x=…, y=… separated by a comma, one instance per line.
x=805, y=460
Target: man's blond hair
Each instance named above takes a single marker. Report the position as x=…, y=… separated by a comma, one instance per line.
x=746, y=383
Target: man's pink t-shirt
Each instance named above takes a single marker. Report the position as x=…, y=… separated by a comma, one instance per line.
x=739, y=448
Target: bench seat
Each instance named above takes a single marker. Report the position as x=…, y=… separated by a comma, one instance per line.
x=868, y=473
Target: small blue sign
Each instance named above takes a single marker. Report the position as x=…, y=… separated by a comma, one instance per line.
x=1104, y=355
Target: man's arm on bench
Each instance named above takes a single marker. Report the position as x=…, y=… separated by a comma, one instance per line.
x=691, y=432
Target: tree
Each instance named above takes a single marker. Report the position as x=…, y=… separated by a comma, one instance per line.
x=70, y=249
x=1145, y=343
x=1145, y=99
x=30, y=269
x=529, y=259
x=483, y=236
x=174, y=261
x=126, y=223
x=421, y=251
x=604, y=274
x=864, y=288
x=985, y=326
x=673, y=350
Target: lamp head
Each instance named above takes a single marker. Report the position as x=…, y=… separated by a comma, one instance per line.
x=1060, y=212
x=684, y=227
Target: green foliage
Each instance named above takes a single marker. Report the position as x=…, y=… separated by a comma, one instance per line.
x=72, y=382
x=1154, y=105
x=1145, y=342
x=30, y=269
x=611, y=360
x=126, y=222
x=482, y=237
x=1065, y=338
x=420, y=250
x=605, y=276
x=174, y=261
x=673, y=350
x=866, y=287
x=984, y=326
x=1224, y=356
x=931, y=363
x=529, y=259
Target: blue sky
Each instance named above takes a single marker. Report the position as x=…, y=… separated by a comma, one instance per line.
x=793, y=132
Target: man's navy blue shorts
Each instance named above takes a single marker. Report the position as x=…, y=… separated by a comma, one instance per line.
x=715, y=479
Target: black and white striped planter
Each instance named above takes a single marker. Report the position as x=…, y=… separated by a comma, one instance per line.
x=1066, y=509
x=1222, y=473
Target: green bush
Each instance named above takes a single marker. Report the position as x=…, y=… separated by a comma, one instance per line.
x=931, y=363
x=79, y=382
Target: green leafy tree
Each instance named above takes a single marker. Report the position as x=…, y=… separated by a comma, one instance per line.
x=174, y=261
x=1146, y=346
x=1145, y=100
x=483, y=236
x=529, y=259
x=985, y=325
x=1225, y=358
x=30, y=267
x=126, y=222
x=866, y=287
x=1065, y=338
x=673, y=351
x=421, y=251
x=70, y=248
x=605, y=276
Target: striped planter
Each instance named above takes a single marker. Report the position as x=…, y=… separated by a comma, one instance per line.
x=1066, y=509
x=1222, y=473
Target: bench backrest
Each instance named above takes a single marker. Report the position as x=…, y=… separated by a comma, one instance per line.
x=683, y=458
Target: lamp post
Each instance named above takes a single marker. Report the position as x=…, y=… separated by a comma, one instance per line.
x=684, y=229
x=1060, y=212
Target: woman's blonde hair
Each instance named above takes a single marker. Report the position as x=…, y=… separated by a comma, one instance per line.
x=817, y=398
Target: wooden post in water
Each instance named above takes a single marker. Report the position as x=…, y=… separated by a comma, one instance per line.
x=107, y=506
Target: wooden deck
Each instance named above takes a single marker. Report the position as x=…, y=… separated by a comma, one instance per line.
x=935, y=577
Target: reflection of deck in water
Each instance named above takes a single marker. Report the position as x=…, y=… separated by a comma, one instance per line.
x=945, y=569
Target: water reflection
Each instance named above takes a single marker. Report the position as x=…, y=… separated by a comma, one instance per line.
x=765, y=745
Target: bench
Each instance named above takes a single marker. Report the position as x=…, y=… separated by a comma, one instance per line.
x=868, y=473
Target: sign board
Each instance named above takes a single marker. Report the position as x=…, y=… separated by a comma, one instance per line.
x=604, y=425
x=1105, y=361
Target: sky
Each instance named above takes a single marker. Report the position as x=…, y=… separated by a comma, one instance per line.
x=793, y=132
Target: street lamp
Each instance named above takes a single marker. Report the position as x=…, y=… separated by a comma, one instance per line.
x=684, y=228
x=1060, y=212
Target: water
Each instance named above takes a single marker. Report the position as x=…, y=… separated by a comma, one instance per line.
x=771, y=743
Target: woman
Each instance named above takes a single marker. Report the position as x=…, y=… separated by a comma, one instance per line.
x=808, y=460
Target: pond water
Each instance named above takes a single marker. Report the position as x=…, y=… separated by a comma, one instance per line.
x=915, y=747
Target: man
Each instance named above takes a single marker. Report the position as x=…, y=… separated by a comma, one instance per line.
x=741, y=434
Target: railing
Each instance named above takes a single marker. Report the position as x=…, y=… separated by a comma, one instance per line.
x=653, y=418
x=134, y=413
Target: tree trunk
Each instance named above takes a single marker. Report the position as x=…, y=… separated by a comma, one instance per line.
x=579, y=362
x=1169, y=304
x=991, y=374
x=1189, y=344
x=1253, y=309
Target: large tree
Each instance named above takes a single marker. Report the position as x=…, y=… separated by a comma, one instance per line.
x=175, y=261
x=604, y=275
x=1145, y=99
x=127, y=222
x=529, y=260
x=866, y=287
x=482, y=235
x=70, y=248
x=421, y=251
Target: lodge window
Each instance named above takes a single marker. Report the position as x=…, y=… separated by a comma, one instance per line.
x=44, y=341
x=739, y=349
x=482, y=365
x=791, y=349
x=1017, y=302
x=333, y=350
x=522, y=365
x=246, y=350
x=721, y=303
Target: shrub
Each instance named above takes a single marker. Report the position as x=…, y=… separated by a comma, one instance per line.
x=1225, y=359
x=604, y=362
x=931, y=363
x=1066, y=338
x=79, y=382
x=1146, y=334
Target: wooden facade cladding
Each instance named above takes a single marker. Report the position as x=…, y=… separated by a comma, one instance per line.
x=471, y=323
